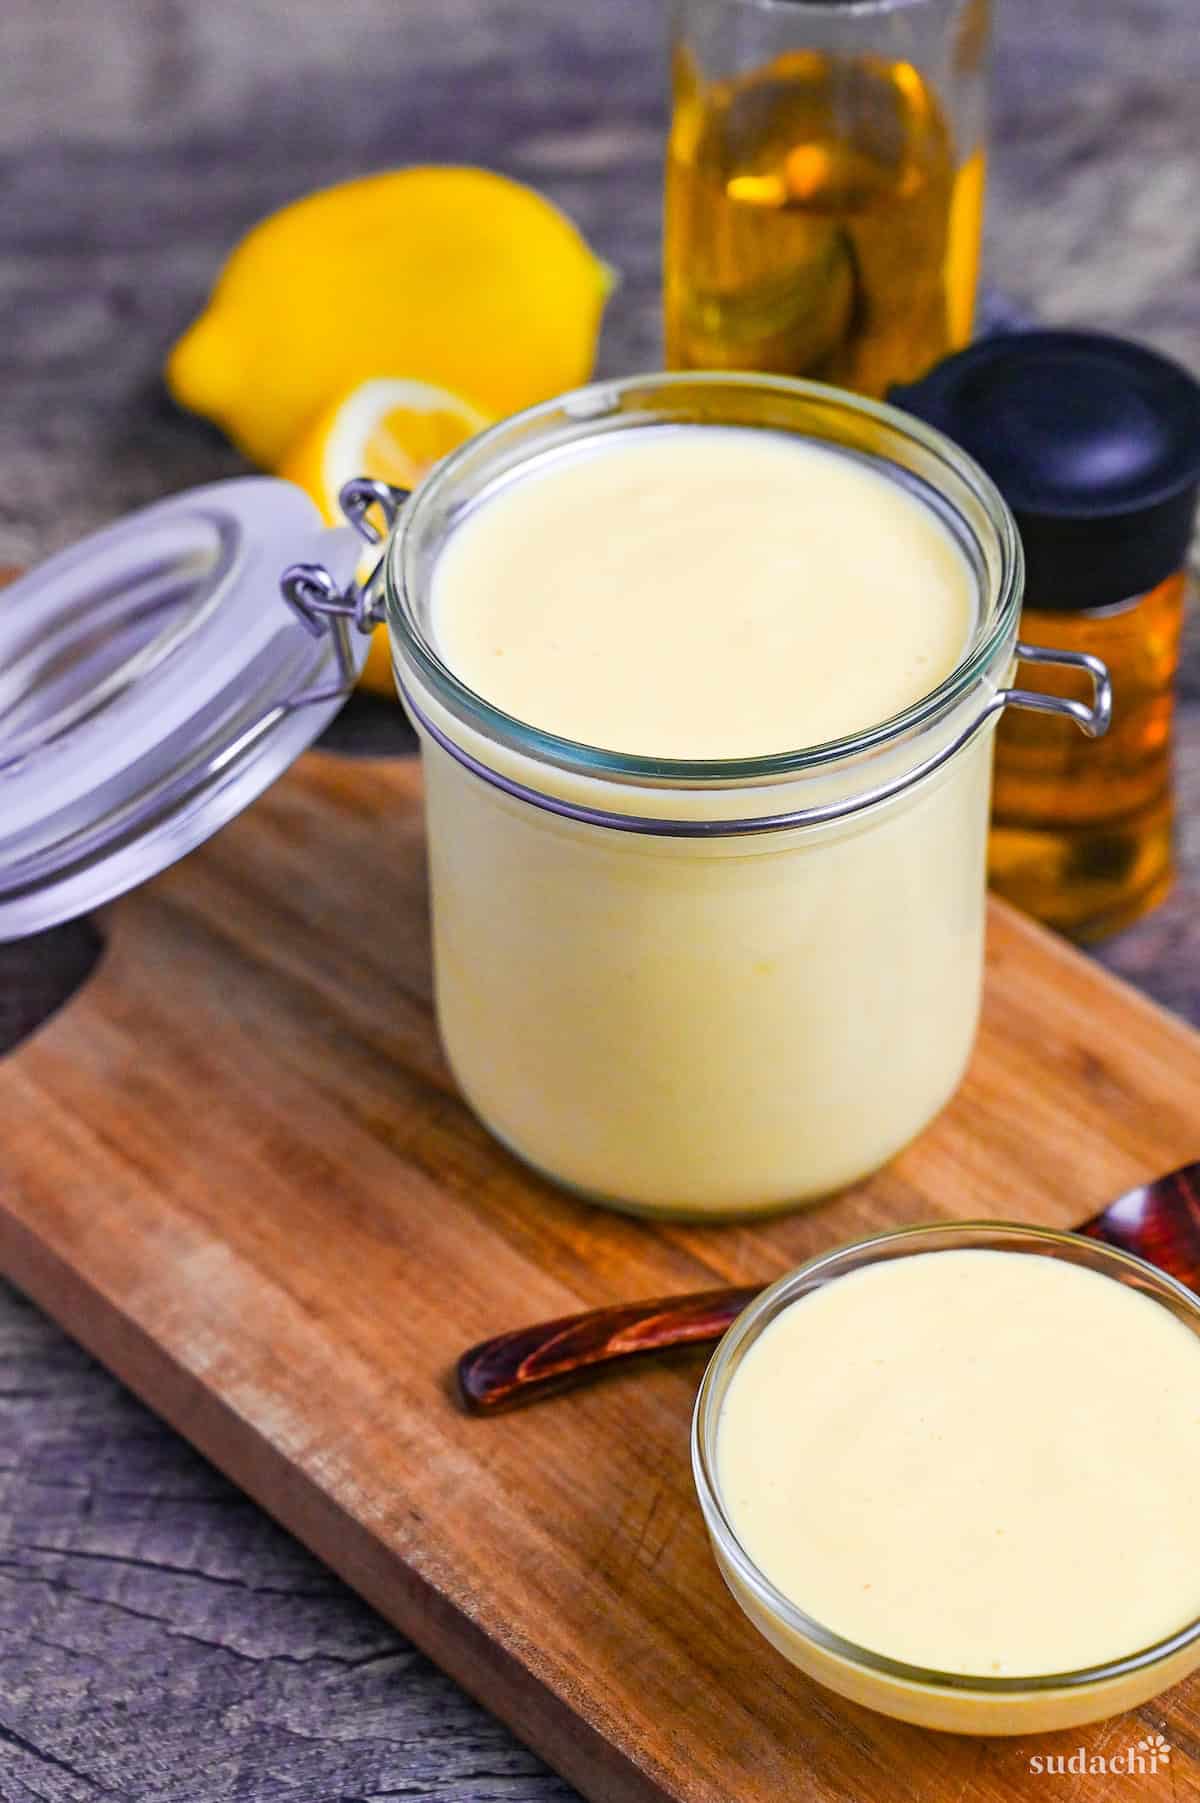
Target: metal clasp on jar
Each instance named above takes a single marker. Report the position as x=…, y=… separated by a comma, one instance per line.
x=1093, y=719
x=322, y=607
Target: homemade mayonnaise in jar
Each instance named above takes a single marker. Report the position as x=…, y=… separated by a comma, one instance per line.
x=703, y=670
x=914, y=1459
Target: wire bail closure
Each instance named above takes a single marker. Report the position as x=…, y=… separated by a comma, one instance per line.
x=1094, y=719
x=1091, y=718
x=322, y=607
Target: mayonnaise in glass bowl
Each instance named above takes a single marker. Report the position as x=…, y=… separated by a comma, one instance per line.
x=967, y=1460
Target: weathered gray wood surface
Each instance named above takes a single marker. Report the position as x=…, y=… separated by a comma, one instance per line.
x=160, y=1640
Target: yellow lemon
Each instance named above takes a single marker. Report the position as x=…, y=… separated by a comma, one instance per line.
x=391, y=428
x=453, y=276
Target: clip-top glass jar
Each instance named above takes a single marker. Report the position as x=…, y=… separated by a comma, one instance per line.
x=712, y=988
x=703, y=988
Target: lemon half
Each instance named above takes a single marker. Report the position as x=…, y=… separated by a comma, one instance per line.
x=392, y=429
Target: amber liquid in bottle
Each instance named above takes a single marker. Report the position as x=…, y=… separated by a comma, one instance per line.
x=1081, y=830
x=816, y=224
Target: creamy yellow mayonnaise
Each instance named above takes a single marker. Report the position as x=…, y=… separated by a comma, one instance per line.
x=704, y=1025
x=702, y=592
x=972, y=1461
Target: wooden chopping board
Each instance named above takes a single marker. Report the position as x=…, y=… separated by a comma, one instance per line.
x=235, y=1167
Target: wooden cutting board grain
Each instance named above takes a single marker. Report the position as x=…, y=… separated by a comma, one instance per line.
x=236, y=1168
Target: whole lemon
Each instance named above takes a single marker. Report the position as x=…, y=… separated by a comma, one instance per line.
x=454, y=276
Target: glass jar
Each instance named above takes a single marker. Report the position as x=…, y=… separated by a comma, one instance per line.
x=824, y=185
x=711, y=989
x=951, y=1701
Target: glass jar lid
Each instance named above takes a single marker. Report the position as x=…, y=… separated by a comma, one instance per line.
x=154, y=680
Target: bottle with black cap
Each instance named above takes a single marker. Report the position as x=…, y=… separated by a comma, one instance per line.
x=1095, y=444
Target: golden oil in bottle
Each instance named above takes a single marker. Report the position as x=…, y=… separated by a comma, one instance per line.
x=816, y=223
x=1082, y=833
x=1094, y=442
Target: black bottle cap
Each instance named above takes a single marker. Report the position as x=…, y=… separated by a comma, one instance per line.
x=1093, y=441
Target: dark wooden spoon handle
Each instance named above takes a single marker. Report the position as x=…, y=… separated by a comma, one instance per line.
x=530, y=1362
x=1159, y=1221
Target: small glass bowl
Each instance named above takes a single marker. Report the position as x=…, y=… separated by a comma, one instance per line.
x=952, y=1701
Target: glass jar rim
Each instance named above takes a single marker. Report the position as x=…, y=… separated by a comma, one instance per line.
x=943, y=1235
x=603, y=400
